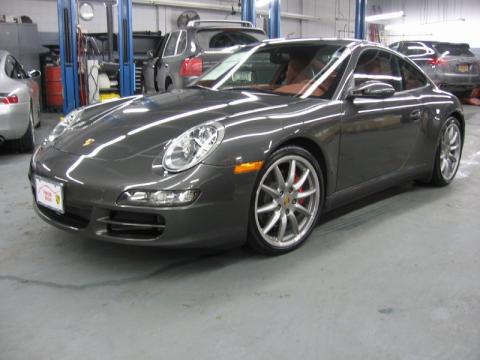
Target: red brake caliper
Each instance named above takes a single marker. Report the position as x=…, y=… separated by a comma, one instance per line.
x=301, y=201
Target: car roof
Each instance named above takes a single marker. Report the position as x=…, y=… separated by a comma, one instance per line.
x=432, y=42
x=330, y=41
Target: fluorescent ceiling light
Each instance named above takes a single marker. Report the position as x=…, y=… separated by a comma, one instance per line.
x=386, y=16
x=262, y=3
x=415, y=27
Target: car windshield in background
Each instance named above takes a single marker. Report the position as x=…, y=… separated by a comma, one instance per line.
x=213, y=39
x=298, y=70
x=453, y=49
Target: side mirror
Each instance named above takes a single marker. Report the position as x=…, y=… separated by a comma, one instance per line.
x=34, y=74
x=150, y=54
x=372, y=89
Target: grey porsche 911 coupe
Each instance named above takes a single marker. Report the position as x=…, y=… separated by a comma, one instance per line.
x=253, y=152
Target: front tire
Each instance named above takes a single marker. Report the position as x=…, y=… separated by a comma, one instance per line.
x=449, y=153
x=286, y=203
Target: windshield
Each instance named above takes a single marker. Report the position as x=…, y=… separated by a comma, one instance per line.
x=454, y=49
x=294, y=70
x=213, y=39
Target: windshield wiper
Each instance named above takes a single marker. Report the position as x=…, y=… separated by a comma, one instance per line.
x=196, y=86
x=247, y=88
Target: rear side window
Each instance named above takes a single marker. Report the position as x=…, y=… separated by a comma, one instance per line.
x=394, y=46
x=218, y=39
x=10, y=67
x=417, y=49
x=454, y=49
x=182, y=43
x=380, y=66
x=412, y=78
x=171, y=44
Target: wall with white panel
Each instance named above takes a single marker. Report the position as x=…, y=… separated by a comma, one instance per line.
x=443, y=20
x=332, y=18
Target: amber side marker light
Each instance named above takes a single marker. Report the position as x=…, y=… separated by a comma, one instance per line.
x=247, y=167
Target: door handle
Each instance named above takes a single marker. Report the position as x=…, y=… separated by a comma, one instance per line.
x=166, y=65
x=415, y=115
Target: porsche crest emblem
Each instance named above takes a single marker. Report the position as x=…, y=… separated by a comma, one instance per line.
x=88, y=142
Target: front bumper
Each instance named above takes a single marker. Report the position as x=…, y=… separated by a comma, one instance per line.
x=13, y=120
x=218, y=218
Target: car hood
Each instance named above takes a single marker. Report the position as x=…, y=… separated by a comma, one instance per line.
x=142, y=125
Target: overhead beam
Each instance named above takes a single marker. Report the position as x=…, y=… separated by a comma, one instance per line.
x=220, y=8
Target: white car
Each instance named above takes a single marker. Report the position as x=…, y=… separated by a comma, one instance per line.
x=19, y=103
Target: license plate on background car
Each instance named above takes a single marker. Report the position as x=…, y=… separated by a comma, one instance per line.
x=463, y=68
x=49, y=194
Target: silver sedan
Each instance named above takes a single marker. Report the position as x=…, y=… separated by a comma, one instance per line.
x=19, y=103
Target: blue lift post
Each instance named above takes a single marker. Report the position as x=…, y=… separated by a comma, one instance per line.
x=274, y=23
x=125, y=48
x=248, y=11
x=67, y=31
x=360, y=19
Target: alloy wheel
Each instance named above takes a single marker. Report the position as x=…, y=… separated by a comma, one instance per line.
x=450, y=151
x=287, y=201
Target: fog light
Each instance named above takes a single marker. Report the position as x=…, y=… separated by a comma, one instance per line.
x=158, y=197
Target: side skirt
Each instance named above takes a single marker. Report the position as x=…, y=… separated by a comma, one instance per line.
x=348, y=195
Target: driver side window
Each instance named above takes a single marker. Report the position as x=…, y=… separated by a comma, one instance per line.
x=378, y=65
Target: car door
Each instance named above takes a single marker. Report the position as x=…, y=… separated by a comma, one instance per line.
x=377, y=134
x=32, y=87
x=171, y=60
x=26, y=89
x=150, y=67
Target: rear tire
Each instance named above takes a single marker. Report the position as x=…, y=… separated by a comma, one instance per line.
x=286, y=202
x=27, y=141
x=448, y=154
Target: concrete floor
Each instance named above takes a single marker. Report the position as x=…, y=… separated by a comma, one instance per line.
x=396, y=276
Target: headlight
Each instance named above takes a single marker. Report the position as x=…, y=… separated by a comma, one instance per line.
x=71, y=118
x=192, y=147
x=158, y=198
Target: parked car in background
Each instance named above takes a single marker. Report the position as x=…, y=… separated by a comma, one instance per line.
x=453, y=67
x=19, y=103
x=188, y=52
